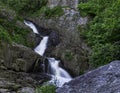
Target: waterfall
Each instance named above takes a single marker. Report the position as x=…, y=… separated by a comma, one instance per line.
x=58, y=74
x=31, y=25
x=40, y=49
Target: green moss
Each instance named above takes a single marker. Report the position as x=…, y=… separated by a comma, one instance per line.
x=17, y=34
x=23, y=6
x=69, y=55
x=104, y=53
x=53, y=12
x=48, y=12
x=46, y=89
x=81, y=72
x=4, y=36
x=102, y=34
x=9, y=18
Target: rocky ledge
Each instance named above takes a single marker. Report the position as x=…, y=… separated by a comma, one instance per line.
x=105, y=79
x=19, y=69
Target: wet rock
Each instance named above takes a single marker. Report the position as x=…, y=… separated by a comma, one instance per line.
x=105, y=79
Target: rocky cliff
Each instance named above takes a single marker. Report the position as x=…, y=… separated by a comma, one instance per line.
x=18, y=62
x=72, y=50
x=61, y=16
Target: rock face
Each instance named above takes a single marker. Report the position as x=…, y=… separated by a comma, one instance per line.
x=72, y=49
x=70, y=3
x=17, y=57
x=20, y=82
x=105, y=79
x=15, y=61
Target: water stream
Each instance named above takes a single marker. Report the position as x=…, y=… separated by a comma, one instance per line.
x=40, y=49
x=58, y=74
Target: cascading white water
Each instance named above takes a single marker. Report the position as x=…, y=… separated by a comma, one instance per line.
x=31, y=25
x=40, y=49
x=59, y=75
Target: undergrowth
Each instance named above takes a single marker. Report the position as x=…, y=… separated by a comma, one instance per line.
x=103, y=32
x=46, y=89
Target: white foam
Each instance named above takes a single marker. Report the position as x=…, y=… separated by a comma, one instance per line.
x=40, y=49
x=32, y=26
x=59, y=76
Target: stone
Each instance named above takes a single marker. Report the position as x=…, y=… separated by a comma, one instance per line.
x=70, y=39
x=26, y=90
x=105, y=79
x=18, y=82
x=4, y=91
x=17, y=57
x=69, y=3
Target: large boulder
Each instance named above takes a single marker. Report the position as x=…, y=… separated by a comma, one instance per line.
x=18, y=57
x=17, y=69
x=105, y=79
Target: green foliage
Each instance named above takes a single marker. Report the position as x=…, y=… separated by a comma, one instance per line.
x=15, y=33
x=94, y=7
x=104, y=53
x=4, y=35
x=69, y=55
x=46, y=89
x=49, y=12
x=53, y=12
x=25, y=6
x=103, y=32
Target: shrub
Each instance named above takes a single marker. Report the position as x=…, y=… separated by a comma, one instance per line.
x=103, y=31
x=53, y=12
x=46, y=89
x=13, y=32
x=4, y=35
x=23, y=6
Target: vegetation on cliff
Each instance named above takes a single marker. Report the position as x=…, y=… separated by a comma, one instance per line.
x=12, y=11
x=25, y=7
x=46, y=89
x=103, y=32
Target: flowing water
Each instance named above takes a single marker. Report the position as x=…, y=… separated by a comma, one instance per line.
x=31, y=25
x=40, y=49
x=58, y=74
